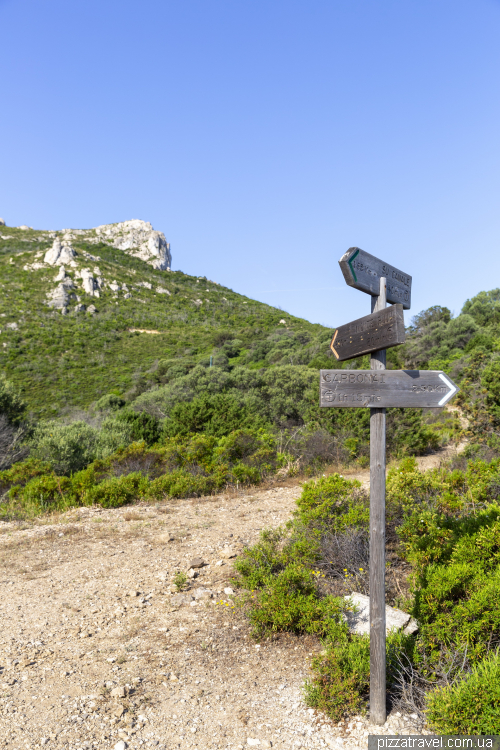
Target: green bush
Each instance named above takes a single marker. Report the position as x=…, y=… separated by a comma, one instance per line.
x=469, y=707
x=341, y=679
x=333, y=501
x=216, y=414
x=179, y=483
x=141, y=426
x=289, y=601
x=11, y=403
x=22, y=472
x=110, y=402
x=118, y=491
x=43, y=494
x=67, y=448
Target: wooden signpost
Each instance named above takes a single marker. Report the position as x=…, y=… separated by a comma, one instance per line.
x=380, y=330
x=377, y=389
x=364, y=271
x=414, y=388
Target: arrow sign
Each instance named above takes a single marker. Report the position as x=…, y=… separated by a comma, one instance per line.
x=381, y=388
x=380, y=330
x=363, y=271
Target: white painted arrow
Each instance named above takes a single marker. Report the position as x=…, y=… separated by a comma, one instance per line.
x=451, y=392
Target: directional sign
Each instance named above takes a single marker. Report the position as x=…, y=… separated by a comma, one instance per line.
x=363, y=271
x=380, y=330
x=381, y=388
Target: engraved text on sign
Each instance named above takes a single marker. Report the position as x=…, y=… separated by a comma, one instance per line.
x=380, y=330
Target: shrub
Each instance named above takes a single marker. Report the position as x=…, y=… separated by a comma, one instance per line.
x=110, y=402
x=11, y=403
x=42, y=494
x=216, y=414
x=67, y=448
x=22, y=472
x=179, y=483
x=341, y=678
x=289, y=601
x=469, y=707
x=332, y=501
x=141, y=426
x=118, y=491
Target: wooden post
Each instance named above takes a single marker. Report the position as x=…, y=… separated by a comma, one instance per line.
x=378, y=713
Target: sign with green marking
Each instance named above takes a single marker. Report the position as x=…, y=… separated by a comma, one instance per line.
x=364, y=271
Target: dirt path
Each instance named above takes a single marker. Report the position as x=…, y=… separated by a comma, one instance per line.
x=97, y=648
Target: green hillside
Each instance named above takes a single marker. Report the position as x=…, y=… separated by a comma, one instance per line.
x=106, y=352
x=60, y=362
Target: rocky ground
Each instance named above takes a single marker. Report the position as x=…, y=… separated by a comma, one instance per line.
x=97, y=650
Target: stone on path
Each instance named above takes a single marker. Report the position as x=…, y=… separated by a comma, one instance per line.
x=121, y=745
x=179, y=599
x=196, y=562
x=395, y=619
x=118, y=692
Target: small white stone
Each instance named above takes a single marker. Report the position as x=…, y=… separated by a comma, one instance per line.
x=44, y=740
x=229, y=591
x=121, y=745
x=252, y=742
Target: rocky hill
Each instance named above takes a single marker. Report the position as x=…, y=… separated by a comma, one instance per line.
x=88, y=312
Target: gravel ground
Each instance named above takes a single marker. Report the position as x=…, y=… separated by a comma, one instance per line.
x=97, y=650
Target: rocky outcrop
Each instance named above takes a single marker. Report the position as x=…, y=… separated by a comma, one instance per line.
x=138, y=238
x=90, y=283
x=59, y=253
x=61, y=296
x=358, y=618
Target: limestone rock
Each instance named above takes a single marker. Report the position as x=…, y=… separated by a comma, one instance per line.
x=139, y=239
x=59, y=254
x=202, y=594
x=89, y=282
x=179, y=599
x=2, y=223
x=227, y=553
x=60, y=297
x=162, y=290
x=359, y=622
x=197, y=562
x=118, y=692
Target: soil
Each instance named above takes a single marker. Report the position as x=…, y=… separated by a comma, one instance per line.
x=97, y=647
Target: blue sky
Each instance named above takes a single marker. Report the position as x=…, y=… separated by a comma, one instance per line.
x=264, y=137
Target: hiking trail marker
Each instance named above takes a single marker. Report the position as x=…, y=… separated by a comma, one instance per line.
x=377, y=389
x=380, y=330
x=364, y=271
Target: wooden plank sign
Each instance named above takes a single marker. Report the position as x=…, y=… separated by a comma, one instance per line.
x=380, y=330
x=382, y=388
x=364, y=271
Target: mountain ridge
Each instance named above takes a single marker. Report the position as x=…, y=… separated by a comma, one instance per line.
x=76, y=305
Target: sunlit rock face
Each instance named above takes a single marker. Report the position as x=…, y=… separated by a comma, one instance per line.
x=137, y=238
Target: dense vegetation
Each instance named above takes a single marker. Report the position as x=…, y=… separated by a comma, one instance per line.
x=202, y=360
x=149, y=368
x=445, y=524
x=215, y=389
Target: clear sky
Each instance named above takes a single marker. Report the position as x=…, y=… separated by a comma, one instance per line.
x=264, y=137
